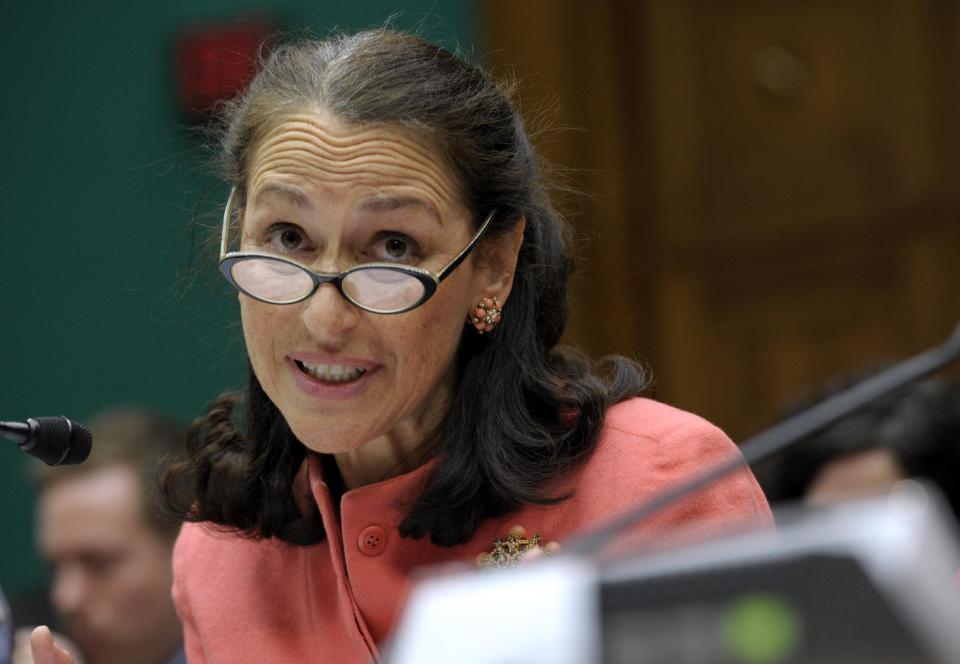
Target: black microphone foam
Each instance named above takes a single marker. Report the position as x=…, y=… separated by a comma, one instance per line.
x=58, y=441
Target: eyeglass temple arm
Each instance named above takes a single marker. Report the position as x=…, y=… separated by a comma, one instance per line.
x=452, y=265
x=226, y=222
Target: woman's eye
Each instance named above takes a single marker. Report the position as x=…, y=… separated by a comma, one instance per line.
x=285, y=238
x=396, y=248
x=290, y=239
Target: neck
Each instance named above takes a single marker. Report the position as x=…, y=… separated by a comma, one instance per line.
x=376, y=461
x=405, y=448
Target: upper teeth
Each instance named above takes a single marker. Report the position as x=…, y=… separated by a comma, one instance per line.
x=332, y=373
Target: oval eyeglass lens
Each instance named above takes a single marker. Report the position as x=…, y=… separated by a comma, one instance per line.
x=272, y=280
x=383, y=289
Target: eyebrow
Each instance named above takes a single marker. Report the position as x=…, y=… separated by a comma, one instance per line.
x=289, y=194
x=389, y=203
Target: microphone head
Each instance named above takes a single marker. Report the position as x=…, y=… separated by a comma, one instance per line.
x=59, y=441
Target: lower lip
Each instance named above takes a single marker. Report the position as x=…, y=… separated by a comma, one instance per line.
x=321, y=390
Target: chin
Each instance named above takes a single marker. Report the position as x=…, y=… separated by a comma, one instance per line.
x=329, y=440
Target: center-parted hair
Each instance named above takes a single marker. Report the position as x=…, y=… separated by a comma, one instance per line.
x=523, y=411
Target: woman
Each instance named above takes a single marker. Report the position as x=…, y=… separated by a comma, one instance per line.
x=402, y=278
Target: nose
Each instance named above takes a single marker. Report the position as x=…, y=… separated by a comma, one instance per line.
x=329, y=316
x=68, y=592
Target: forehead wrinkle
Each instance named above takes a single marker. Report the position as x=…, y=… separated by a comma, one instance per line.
x=336, y=144
x=340, y=133
x=305, y=134
x=307, y=172
x=375, y=169
x=309, y=127
x=381, y=155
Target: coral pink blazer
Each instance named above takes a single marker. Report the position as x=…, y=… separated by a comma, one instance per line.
x=267, y=601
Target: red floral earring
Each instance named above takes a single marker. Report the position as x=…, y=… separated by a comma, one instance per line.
x=485, y=315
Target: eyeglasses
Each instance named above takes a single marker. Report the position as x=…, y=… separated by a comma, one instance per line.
x=380, y=288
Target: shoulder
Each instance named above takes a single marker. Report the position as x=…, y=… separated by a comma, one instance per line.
x=646, y=447
x=653, y=432
x=193, y=545
x=212, y=564
x=194, y=539
x=205, y=554
x=652, y=418
x=198, y=541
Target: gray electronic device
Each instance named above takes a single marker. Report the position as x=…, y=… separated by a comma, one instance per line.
x=873, y=581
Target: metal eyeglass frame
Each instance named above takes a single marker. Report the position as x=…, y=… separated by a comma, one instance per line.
x=428, y=279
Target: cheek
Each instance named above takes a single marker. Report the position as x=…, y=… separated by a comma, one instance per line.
x=262, y=325
x=432, y=338
x=252, y=320
x=141, y=589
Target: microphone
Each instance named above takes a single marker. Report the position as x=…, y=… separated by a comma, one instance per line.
x=54, y=440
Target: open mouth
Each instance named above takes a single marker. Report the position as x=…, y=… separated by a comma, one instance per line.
x=331, y=373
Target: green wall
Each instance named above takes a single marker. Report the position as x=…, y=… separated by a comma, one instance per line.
x=100, y=179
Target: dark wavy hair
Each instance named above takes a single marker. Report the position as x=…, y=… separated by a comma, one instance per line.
x=523, y=411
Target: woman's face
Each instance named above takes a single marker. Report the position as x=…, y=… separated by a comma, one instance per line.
x=331, y=196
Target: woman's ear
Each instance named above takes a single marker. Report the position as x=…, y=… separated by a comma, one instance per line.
x=499, y=262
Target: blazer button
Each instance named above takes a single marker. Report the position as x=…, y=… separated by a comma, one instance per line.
x=373, y=541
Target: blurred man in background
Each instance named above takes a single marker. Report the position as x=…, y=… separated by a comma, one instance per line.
x=100, y=528
x=914, y=433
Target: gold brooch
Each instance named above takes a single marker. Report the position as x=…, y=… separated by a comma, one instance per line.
x=508, y=552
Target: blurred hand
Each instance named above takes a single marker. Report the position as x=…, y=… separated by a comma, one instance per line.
x=22, y=647
x=45, y=650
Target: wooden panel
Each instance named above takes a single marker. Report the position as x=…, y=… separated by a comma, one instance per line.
x=806, y=214
x=777, y=329
x=811, y=112
x=570, y=72
x=776, y=184
x=797, y=113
